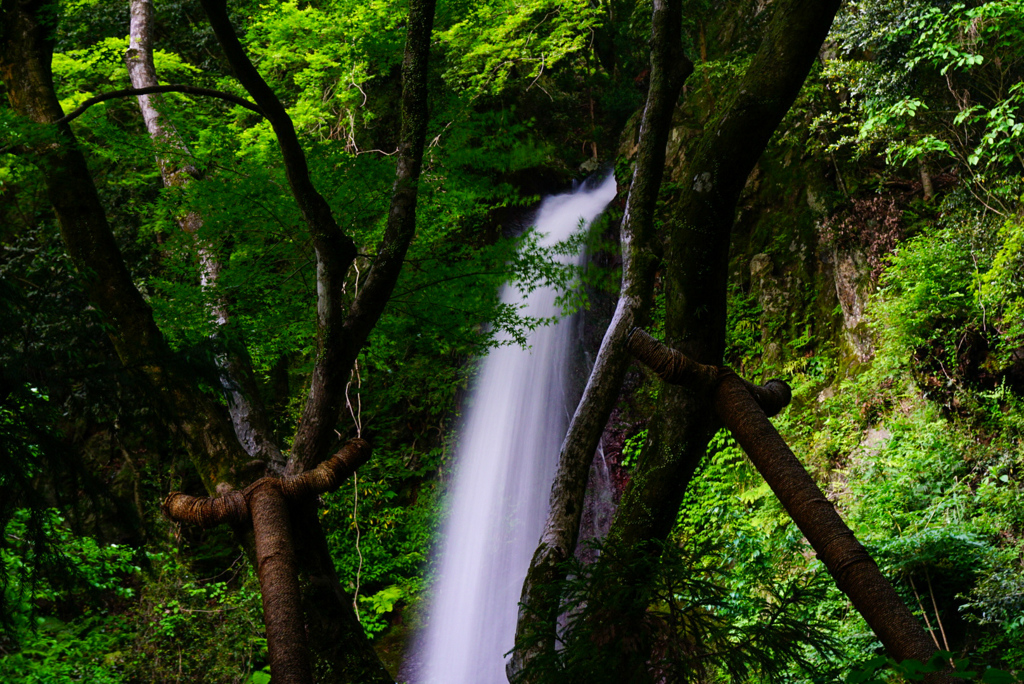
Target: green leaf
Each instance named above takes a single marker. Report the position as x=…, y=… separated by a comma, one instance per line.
x=260, y=678
x=993, y=676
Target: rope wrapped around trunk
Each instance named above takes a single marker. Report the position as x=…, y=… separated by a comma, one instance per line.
x=676, y=368
x=234, y=507
x=231, y=508
x=329, y=475
x=670, y=365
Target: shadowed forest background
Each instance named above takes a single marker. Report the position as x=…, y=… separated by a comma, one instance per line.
x=875, y=263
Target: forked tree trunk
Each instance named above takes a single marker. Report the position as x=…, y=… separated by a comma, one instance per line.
x=695, y=274
x=316, y=428
x=669, y=70
x=696, y=260
x=335, y=251
x=340, y=336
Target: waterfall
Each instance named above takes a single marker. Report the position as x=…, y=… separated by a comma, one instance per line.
x=505, y=462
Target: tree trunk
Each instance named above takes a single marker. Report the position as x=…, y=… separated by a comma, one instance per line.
x=696, y=268
x=696, y=255
x=345, y=655
x=25, y=55
x=669, y=69
x=248, y=415
x=341, y=652
x=279, y=585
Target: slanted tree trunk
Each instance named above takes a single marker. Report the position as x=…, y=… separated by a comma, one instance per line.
x=248, y=415
x=741, y=407
x=669, y=69
x=696, y=277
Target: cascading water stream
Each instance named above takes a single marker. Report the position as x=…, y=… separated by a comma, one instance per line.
x=505, y=462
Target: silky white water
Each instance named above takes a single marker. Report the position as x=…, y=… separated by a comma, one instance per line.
x=505, y=461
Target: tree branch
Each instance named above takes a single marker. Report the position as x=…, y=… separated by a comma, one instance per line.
x=335, y=250
x=151, y=90
x=316, y=427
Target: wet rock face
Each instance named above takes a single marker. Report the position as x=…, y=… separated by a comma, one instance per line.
x=760, y=268
x=780, y=292
x=770, y=294
x=771, y=298
x=852, y=275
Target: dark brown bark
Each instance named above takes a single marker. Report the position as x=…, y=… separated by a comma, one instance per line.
x=342, y=653
x=229, y=507
x=315, y=432
x=676, y=369
x=263, y=504
x=669, y=70
x=329, y=475
x=25, y=54
x=279, y=585
x=207, y=511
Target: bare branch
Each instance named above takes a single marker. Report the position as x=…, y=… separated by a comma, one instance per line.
x=151, y=90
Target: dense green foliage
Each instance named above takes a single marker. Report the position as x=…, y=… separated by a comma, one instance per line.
x=902, y=157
